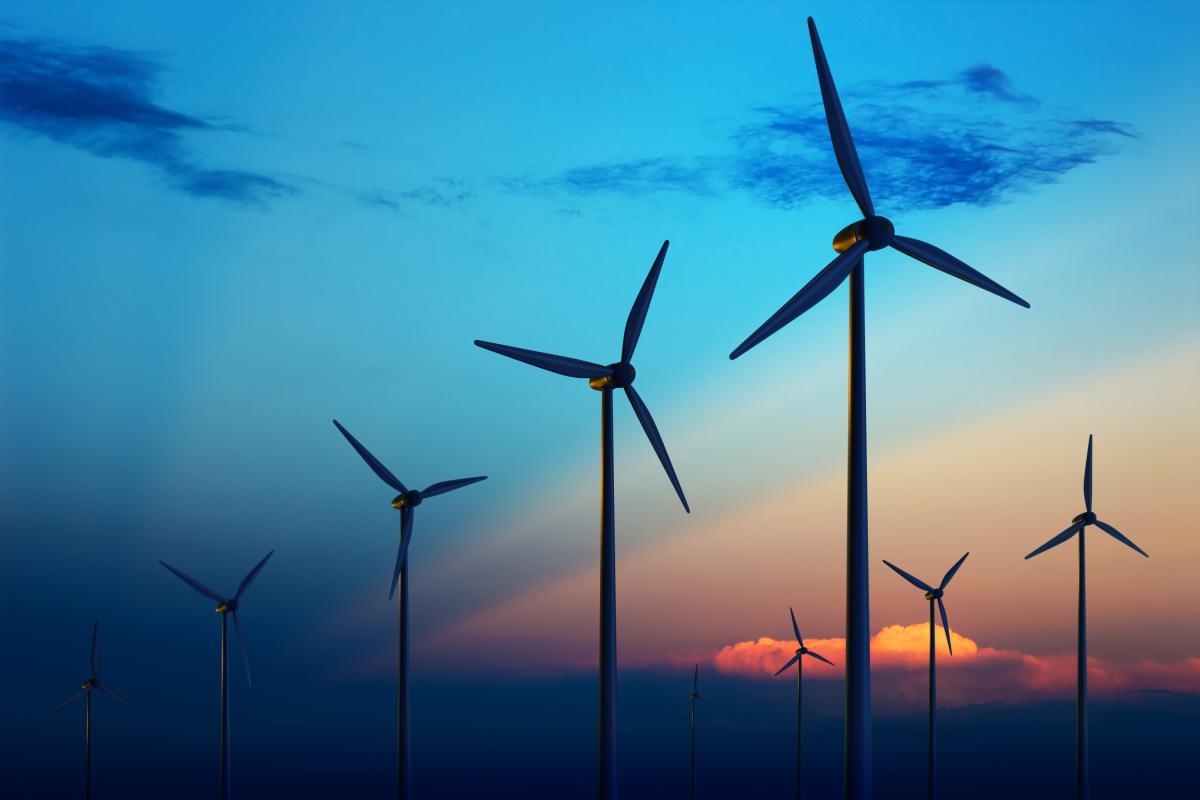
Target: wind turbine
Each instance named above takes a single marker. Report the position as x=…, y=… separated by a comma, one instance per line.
x=227, y=607
x=870, y=233
x=692, y=698
x=618, y=375
x=933, y=596
x=1078, y=524
x=796, y=659
x=406, y=503
x=90, y=685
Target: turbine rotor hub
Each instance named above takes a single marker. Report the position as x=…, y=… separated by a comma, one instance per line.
x=1087, y=518
x=227, y=607
x=410, y=499
x=877, y=231
x=936, y=594
x=623, y=374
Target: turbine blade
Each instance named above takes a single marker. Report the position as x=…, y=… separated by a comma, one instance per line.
x=696, y=681
x=1057, y=540
x=813, y=292
x=1087, y=476
x=941, y=260
x=793, y=660
x=945, y=624
x=251, y=575
x=69, y=700
x=839, y=131
x=95, y=631
x=920, y=584
x=637, y=314
x=643, y=415
x=406, y=525
x=372, y=462
x=441, y=487
x=114, y=695
x=571, y=367
x=242, y=645
x=821, y=657
x=795, y=627
x=195, y=584
x=1120, y=537
x=950, y=574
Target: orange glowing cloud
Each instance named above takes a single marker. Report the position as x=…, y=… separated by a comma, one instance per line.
x=974, y=674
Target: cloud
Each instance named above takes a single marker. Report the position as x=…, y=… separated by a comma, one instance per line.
x=970, y=139
x=974, y=674
x=101, y=100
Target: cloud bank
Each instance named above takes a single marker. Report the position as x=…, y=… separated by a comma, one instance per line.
x=974, y=674
x=971, y=139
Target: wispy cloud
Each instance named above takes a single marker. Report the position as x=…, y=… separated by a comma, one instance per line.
x=974, y=674
x=101, y=100
x=970, y=139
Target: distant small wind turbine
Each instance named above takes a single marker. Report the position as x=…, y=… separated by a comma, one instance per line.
x=1078, y=524
x=604, y=379
x=88, y=687
x=801, y=651
x=406, y=503
x=933, y=596
x=692, y=698
x=226, y=607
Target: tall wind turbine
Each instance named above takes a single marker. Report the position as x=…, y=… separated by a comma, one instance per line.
x=1078, y=525
x=692, y=698
x=227, y=607
x=406, y=503
x=618, y=375
x=933, y=596
x=90, y=685
x=872, y=232
x=797, y=659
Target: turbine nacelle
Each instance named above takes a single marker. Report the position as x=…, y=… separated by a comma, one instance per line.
x=622, y=375
x=936, y=594
x=227, y=607
x=90, y=683
x=410, y=499
x=1087, y=518
x=877, y=231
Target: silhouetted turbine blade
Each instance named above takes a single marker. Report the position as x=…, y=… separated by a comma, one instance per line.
x=195, y=584
x=1120, y=537
x=115, y=696
x=795, y=627
x=251, y=575
x=643, y=415
x=69, y=700
x=406, y=525
x=95, y=631
x=637, y=314
x=1087, y=476
x=1057, y=540
x=813, y=292
x=821, y=657
x=242, y=645
x=920, y=584
x=571, y=367
x=945, y=625
x=793, y=660
x=941, y=260
x=839, y=131
x=372, y=462
x=696, y=681
x=441, y=487
x=950, y=573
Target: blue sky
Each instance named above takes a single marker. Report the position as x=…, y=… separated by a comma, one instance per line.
x=221, y=226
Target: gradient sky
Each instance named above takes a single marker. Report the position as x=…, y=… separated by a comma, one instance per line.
x=222, y=226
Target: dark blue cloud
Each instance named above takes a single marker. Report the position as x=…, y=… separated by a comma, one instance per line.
x=971, y=139
x=100, y=100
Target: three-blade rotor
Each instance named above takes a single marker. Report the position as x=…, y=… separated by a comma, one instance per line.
x=619, y=375
x=933, y=594
x=801, y=650
x=227, y=605
x=1088, y=517
x=93, y=682
x=872, y=232
x=406, y=502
